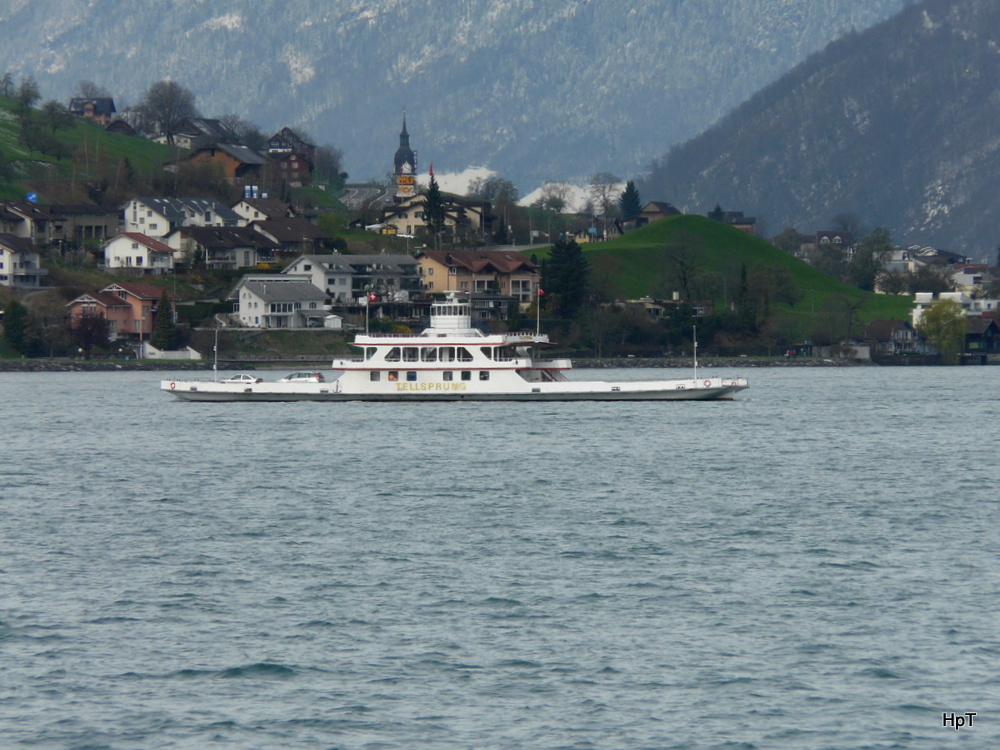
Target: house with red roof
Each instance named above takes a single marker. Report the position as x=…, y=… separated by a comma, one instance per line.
x=129, y=307
x=142, y=255
x=498, y=272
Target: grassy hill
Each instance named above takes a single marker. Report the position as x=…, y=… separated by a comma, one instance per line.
x=87, y=154
x=649, y=261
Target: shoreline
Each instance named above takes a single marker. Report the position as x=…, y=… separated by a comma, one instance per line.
x=100, y=365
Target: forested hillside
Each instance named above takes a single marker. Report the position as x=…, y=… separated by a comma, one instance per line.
x=899, y=125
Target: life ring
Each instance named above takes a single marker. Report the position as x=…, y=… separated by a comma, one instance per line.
x=173, y=385
x=707, y=383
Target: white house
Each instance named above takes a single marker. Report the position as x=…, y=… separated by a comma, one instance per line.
x=262, y=209
x=157, y=217
x=20, y=262
x=330, y=272
x=973, y=308
x=279, y=301
x=134, y=250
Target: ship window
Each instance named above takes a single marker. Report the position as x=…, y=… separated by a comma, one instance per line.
x=411, y=375
x=428, y=354
x=487, y=351
x=370, y=352
x=447, y=354
x=484, y=374
x=411, y=354
x=466, y=374
x=447, y=375
x=375, y=376
x=393, y=376
x=392, y=355
x=464, y=355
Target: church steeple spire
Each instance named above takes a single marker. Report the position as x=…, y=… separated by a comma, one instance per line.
x=405, y=166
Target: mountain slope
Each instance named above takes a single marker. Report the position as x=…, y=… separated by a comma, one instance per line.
x=899, y=124
x=535, y=89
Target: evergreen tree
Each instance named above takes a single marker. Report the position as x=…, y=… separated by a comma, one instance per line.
x=15, y=326
x=434, y=208
x=165, y=330
x=565, y=277
x=629, y=202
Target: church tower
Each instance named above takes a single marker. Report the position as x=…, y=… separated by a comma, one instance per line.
x=405, y=167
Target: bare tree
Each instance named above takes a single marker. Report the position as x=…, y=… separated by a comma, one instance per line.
x=168, y=104
x=329, y=163
x=89, y=90
x=604, y=189
x=555, y=196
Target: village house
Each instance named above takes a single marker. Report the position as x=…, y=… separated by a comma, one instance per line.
x=240, y=165
x=158, y=217
x=136, y=253
x=293, y=169
x=279, y=301
x=331, y=272
x=891, y=337
x=479, y=272
x=462, y=217
x=20, y=262
x=654, y=211
x=29, y=221
x=99, y=109
x=287, y=141
x=197, y=131
x=223, y=248
x=73, y=224
x=129, y=307
x=293, y=236
x=971, y=308
x=262, y=209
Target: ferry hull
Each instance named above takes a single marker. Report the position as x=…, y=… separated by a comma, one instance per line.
x=714, y=389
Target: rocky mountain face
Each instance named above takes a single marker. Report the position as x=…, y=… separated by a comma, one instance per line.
x=535, y=89
x=899, y=125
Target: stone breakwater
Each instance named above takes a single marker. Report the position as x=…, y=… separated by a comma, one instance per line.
x=94, y=365
x=714, y=362
x=97, y=365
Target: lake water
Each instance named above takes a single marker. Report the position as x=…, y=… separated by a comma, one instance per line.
x=813, y=565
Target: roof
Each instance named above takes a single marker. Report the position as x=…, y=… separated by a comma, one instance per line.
x=227, y=237
x=291, y=229
x=178, y=208
x=979, y=326
x=329, y=261
x=84, y=209
x=660, y=207
x=385, y=261
x=206, y=127
x=153, y=244
x=242, y=154
x=104, y=299
x=141, y=289
x=481, y=261
x=284, y=291
x=272, y=208
x=17, y=244
x=884, y=329
x=103, y=105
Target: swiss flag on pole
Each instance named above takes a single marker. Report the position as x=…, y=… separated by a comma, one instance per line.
x=372, y=297
x=541, y=292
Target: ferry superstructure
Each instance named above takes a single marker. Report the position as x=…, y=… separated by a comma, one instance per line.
x=451, y=360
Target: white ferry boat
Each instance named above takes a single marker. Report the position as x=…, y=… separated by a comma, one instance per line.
x=452, y=361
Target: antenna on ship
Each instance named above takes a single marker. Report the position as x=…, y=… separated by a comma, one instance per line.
x=694, y=337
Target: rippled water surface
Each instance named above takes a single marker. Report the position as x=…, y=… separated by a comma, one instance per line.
x=813, y=565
